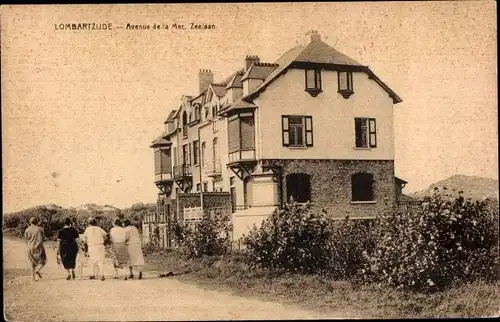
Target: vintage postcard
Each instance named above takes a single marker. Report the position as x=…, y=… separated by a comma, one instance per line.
x=249, y=161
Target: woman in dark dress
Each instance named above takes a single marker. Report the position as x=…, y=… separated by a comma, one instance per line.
x=68, y=247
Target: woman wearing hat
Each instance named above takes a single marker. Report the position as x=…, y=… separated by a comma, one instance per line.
x=35, y=248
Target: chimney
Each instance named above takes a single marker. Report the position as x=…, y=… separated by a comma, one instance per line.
x=206, y=77
x=315, y=36
x=249, y=60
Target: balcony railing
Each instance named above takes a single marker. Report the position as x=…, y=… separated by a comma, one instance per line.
x=213, y=168
x=182, y=171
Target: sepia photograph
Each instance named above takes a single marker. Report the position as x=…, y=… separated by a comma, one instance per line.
x=250, y=161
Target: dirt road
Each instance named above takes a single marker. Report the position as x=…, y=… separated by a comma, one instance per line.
x=55, y=298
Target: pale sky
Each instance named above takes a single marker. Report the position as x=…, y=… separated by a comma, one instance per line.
x=80, y=108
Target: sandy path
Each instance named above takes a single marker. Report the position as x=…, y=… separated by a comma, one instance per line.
x=55, y=298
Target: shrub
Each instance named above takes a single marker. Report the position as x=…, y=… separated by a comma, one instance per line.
x=347, y=244
x=293, y=239
x=209, y=237
x=446, y=240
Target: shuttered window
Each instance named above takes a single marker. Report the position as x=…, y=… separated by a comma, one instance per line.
x=297, y=131
x=196, y=152
x=234, y=135
x=157, y=161
x=366, y=132
x=166, y=162
x=247, y=133
x=241, y=132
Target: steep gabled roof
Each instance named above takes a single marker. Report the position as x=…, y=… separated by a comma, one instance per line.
x=170, y=117
x=259, y=71
x=219, y=89
x=235, y=80
x=239, y=104
x=321, y=53
x=160, y=141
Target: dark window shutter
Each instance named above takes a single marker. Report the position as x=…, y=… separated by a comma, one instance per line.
x=373, y=133
x=309, y=131
x=285, y=130
x=247, y=133
x=157, y=162
x=234, y=135
x=357, y=129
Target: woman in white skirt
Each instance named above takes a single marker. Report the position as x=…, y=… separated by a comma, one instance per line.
x=94, y=238
x=134, y=248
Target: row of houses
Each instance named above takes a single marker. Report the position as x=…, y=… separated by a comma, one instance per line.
x=314, y=126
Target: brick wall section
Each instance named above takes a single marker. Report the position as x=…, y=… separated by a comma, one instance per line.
x=331, y=184
x=216, y=200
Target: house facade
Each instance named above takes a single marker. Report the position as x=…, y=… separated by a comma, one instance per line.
x=315, y=126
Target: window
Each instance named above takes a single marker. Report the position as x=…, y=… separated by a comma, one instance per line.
x=215, y=125
x=198, y=187
x=162, y=161
x=203, y=149
x=241, y=133
x=345, y=84
x=366, y=132
x=186, y=158
x=298, y=187
x=197, y=112
x=231, y=181
x=313, y=81
x=184, y=124
x=297, y=131
x=207, y=111
x=196, y=151
x=215, y=150
x=205, y=186
x=362, y=187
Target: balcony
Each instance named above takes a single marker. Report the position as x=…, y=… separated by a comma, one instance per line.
x=182, y=171
x=163, y=177
x=242, y=156
x=213, y=169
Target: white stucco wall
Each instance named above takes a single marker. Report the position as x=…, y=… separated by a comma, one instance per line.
x=333, y=117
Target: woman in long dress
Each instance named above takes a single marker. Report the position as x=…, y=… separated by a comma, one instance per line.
x=33, y=236
x=134, y=247
x=68, y=247
x=94, y=239
x=119, y=237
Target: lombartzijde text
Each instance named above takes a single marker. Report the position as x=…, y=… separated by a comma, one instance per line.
x=84, y=26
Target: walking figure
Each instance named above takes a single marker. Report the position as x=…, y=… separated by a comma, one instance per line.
x=33, y=236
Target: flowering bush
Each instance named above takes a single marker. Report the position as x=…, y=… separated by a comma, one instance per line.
x=293, y=239
x=346, y=247
x=447, y=239
x=209, y=237
x=299, y=240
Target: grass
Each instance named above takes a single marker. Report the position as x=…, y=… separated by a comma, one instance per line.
x=478, y=299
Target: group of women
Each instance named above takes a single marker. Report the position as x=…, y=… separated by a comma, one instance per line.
x=125, y=243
